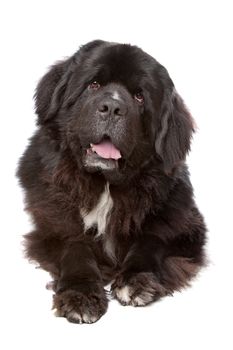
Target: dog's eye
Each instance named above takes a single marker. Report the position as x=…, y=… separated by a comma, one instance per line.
x=139, y=97
x=94, y=85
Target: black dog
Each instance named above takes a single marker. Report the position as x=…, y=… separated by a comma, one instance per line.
x=106, y=182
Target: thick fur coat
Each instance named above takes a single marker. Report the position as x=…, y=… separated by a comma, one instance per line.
x=106, y=182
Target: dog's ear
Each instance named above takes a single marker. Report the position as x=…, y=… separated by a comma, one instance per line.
x=50, y=91
x=176, y=128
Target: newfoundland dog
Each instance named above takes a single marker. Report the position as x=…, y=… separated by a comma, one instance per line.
x=107, y=185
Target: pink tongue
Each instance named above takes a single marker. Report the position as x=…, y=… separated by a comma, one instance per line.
x=106, y=149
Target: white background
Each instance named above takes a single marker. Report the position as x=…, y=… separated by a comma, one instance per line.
x=193, y=39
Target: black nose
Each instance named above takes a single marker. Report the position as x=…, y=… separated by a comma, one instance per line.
x=112, y=107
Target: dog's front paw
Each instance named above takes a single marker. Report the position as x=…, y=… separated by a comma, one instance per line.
x=139, y=289
x=78, y=307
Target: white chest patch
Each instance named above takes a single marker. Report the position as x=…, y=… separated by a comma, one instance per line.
x=99, y=215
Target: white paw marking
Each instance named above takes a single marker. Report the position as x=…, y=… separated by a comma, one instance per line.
x=125, y=295
x=85, y=318
x=89, y=319
x=74, y=316
x=143, y=299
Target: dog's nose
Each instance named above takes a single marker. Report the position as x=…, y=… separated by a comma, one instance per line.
x=112, y=107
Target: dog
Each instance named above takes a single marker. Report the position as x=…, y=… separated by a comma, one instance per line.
x=107, y=185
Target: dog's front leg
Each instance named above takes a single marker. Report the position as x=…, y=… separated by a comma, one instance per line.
x=154, y=268
x=80, y=296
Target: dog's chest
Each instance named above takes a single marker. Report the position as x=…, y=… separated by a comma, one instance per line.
x=99, y=215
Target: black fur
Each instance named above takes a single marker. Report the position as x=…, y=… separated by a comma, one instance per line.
x=154, y=235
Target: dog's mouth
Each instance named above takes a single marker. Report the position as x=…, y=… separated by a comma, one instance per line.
x=103, y=155
x=105, y=149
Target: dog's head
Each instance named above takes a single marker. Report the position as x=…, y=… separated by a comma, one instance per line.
x=116, y=108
